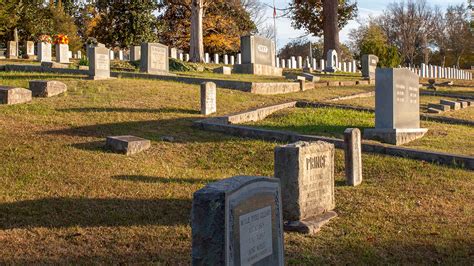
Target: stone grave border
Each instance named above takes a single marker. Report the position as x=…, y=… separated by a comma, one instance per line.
x=227, y=125
x=264, y=88
x=445, y=94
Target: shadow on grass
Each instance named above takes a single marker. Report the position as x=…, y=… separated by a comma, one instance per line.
x=41, y=77
x=155, y=130
x=130, y=110
x=92, y=212
x=325, y=130
x=155, y=179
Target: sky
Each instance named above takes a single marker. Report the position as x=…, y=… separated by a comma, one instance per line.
x=285, y=33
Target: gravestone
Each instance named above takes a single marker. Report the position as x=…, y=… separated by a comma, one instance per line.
x=62, y=53
x=135, y=53
x=47, y=88
x=258, y=57
x=12, y=50
x=223, y=70
x=397, y=107
x=111, y=55
x=208, y=98
x=173, y=53
x=44, y=52
x=30, y=49
x=120, y=55
x=79, y=55
x=128, y=145
x=306, y=173
x=14, y=95
x=154, y=58
x=99, y=63
x=353, y=156
x=238, y=221
x=206, y=58
x=232, y=60
x=369, y=65
x=332, y=61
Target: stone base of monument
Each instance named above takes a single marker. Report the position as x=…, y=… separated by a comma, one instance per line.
x=54, y=65
x=256, y=69
x=12, y=95
x=395, y=136
x=310, y=225
x=100, y=78
x=223, y=70
x=47, y=88
x=127, y=144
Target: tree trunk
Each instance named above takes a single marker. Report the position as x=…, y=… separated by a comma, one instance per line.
x=330, y=28
x=196, y=47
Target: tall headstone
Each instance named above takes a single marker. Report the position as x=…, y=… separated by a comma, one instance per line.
x=30, y=49
x=79, y=55
x=283, y=63
x=99, y=63
x=258, y=57
x=208, y=98
x=232, y=60
x=299, y=62
x=239, y=58
x=238, y=221
x=332, y=61
x=120, y=55
x=306, y=173
x=216, y=58
x=353, y=156
x=44, y=52
x=322, y=63
x=206, y=58
x=62, y=53
x=12, y=50
x=173, y=53
x=135, y=53
x=154, y=58
x=226, y=59
x=186, y=57
x=397, y=107
x=111, y=55
x=354, y=66
x=369, y=65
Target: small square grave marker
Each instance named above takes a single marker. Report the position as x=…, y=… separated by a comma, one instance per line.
x=14, y=95
x=128, y=145
x=47, y=88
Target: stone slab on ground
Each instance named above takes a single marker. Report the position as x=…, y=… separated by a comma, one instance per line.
x=434, y=110
x=128, y=145
x=441, y=107
x=223, y=70
x=464, y=104
x=454, y=105
x=47, y=88
x=14, y=95
x=54, y=65
x=395, y=136
x=309, y=77
x=310, y=226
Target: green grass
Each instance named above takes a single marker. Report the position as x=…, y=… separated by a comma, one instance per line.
x=64, y=199
x=332, y=122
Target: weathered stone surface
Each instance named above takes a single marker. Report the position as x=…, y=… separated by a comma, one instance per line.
x=154, y=58
x=208, y=98
x=62, y=53
x=12, y=50
x=353, y=156
x=135, y=53
x=14, y=95
x=47, y=64
x=128, y=145
x=452, y=104
x=441, y=107
x=99, y=63
x=258, y=57
x=223, y=70
x=348, y=83
x=463, y=104
x=238, y=221
x=306, y=173
x=47, y=88
x=369, y=65
x=30, y=48
x=397, y=107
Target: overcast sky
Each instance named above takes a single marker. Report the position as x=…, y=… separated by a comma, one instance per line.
x=286, y=33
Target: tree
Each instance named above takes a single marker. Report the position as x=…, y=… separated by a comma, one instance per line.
x=223, y=23
x=125, y=23
x=460, y=37
x=373, y=41
x=310, y=16
x=408, y=26
x=196, y=46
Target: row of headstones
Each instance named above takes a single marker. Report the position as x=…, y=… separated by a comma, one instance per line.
x=297, y=63
x=44, y=51
x=430, y=71
x=240, y=220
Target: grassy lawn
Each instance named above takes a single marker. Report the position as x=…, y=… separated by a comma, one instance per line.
x=332, y=122
x=64, y=199
x=466, y=113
